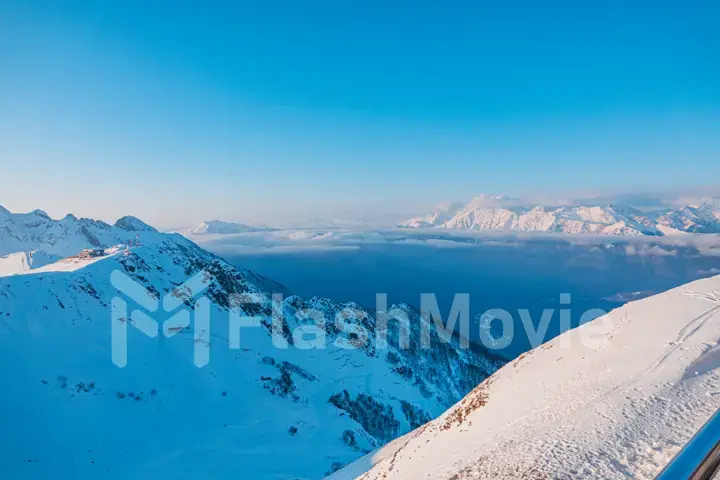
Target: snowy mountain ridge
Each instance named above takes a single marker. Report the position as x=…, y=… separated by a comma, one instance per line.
x=498, y=212
x=68, y=408
x=36, y=231
x=614, y=398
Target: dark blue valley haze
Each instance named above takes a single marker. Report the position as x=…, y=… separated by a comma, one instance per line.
x=495, y=276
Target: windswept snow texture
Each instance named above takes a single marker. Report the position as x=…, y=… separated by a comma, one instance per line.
x=259, y=411
x=618, y=405
x=496, y=212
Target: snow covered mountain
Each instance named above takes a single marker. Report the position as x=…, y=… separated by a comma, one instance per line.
x=218, y=227
x=445, y=211
x=704, y=218
x=489, y=213
x=442, y=213
x=614, y=398
x=258, y=411
x=25, y=232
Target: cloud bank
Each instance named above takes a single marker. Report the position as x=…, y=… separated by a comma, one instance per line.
x=323, y=240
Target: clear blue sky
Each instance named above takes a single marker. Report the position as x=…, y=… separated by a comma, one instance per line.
x=182, y=110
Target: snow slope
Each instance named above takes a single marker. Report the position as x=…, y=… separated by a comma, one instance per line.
x=257, y=411
x=618, y=406
x=21, y=262
x=489, y=213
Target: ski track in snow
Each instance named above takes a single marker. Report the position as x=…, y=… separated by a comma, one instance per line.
x=686, y=332
x=614, y=411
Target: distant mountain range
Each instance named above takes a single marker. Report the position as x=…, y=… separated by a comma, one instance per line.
x=499, y=212
x=218, y=227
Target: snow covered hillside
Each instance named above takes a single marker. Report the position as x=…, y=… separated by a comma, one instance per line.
x=257, y=411
x=493, y=212
x=218, y=227
x=614, y=398
x=20, y=262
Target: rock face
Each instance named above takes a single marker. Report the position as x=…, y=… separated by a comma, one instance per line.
x=614, y=398
x=132, y=224
x=490, y=213
x=294, y=388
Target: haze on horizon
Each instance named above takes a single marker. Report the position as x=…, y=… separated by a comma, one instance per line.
x=264, y=113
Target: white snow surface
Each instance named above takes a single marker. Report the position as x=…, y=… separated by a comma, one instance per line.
x=21, y=262
x=258, y=412
x=620, y=406
x=497, y=212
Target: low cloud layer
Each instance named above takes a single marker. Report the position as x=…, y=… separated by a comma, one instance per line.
x=318, y=240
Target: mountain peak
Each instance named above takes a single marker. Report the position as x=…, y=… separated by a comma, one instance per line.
x=713, y=203
x=4, y=211
x=133, y=224
x=40, y=213
x=220, y=227
x=487, y=200
x=709, y=211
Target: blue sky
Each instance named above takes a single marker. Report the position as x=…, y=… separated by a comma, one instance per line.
x=180, y=111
